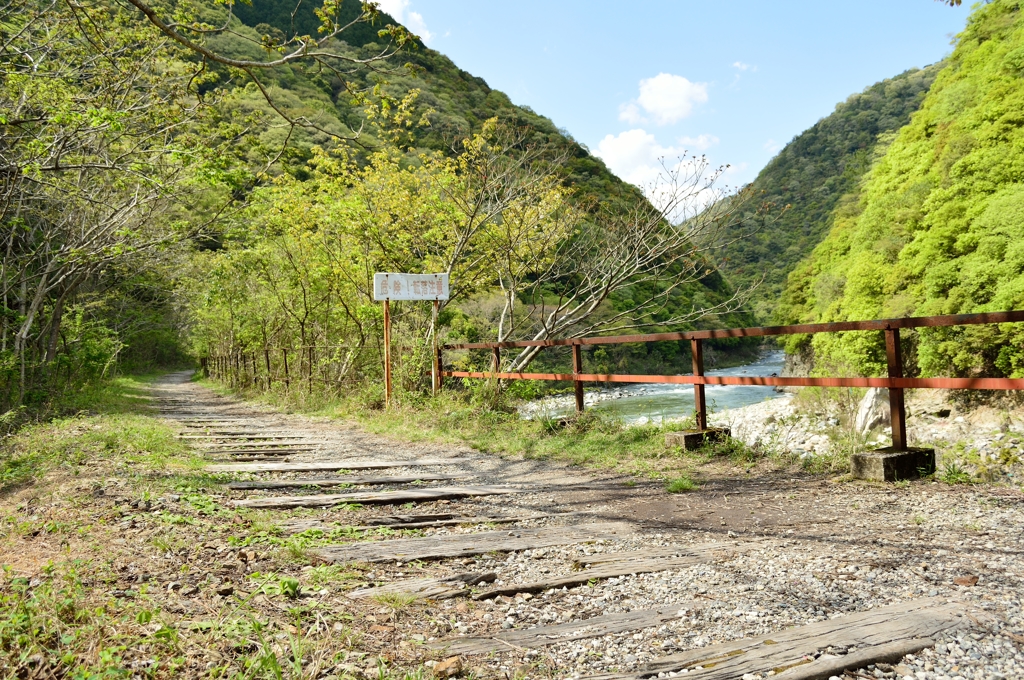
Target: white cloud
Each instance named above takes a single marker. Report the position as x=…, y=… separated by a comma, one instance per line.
x=634, y=155
x=630, y=113
x=399, y=9
x=638, y=158
x=699, y=143
x=667, y=98
x=771, y=146
x=743, y=67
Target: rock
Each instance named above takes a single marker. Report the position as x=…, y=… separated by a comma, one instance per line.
x=966, y=580
x=449, y=668
x=189, y=591
x=225, y=589
x=873, y=410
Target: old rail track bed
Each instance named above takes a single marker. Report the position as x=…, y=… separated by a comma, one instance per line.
x=525, y=569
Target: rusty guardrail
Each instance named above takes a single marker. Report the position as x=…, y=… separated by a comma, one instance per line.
x=895, y=381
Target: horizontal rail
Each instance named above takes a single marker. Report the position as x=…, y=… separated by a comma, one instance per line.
x=764, y=331
x=905, y=383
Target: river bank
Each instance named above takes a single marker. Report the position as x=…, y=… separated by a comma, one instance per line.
x=983, y=443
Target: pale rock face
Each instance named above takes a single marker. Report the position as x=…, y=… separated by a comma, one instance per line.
x=873, y=410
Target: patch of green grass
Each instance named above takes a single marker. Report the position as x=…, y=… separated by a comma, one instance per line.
x=58, y=626
x=954, y=473
x=117, y=428
x=681, y=485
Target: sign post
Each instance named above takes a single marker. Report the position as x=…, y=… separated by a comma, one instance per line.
x=390, y=286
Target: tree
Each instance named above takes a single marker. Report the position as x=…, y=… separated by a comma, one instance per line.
x=99, y=142
x=323, y=52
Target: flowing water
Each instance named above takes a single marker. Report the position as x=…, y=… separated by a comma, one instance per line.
x=645, y=403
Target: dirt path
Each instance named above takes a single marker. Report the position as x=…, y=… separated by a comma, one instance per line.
x=739, y=558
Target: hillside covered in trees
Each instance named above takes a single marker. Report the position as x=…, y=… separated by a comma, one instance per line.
x=265, y=165
x=935, y=226
x=811, y=174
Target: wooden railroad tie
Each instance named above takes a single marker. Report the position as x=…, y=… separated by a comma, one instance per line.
x=387, y=497
x=463, y=545
x=324, y=466
x=339, y=481
x=881, y=635
x=543, y=636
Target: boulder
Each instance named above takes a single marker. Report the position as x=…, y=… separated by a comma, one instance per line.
x=873, y=410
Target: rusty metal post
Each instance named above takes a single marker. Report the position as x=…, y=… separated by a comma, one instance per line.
x=387, y=353
x=435, y=368
x=897, y=409
x=287, y=379
x=439, y=358
x=266, y=361
x=577, y=368
x=700, y=404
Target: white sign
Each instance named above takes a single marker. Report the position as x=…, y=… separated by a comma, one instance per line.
x=389, y=286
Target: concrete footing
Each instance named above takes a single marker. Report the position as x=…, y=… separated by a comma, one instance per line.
x=886, y=465
x=692, y=440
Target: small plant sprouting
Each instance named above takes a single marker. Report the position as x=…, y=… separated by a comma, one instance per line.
x=681, y=485
x=954, y=473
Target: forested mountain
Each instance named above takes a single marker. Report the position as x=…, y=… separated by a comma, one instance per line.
x=177, y=177
x=937, y=224
x=453, y=101
x=810, y=175
x=449, y=104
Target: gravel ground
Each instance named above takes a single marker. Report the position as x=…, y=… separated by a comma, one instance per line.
x=824, y=549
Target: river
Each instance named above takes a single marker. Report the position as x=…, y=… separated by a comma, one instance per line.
x=642, y=403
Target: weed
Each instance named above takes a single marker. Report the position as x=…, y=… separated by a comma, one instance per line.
x=681, y=485
x=918, y=520
x=295, y=550
x=327, y=574
x=954, y=473
x=396, y=602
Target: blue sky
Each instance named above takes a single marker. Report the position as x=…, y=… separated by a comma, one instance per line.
x=635, y=81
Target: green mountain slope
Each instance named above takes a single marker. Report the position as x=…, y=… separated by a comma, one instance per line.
x=810, y=175
x=937, y=227
x=457, y=103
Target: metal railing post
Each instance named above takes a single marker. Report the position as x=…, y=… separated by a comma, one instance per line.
x=577, y=368
x=700, y=404
x=897, y=409
x=435, y=368
x=387, y=353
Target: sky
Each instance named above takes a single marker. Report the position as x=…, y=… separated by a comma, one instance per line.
x=639, y=81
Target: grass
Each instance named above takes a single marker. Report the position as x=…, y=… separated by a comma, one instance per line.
x=117, y=426
x=106, y=520
x=954, y=473
x=680, y=485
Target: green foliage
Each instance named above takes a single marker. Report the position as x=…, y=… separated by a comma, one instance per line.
x=117, y=429
x=811, y=174
x=681, y=485
x=954, y=473
x=937, y=226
